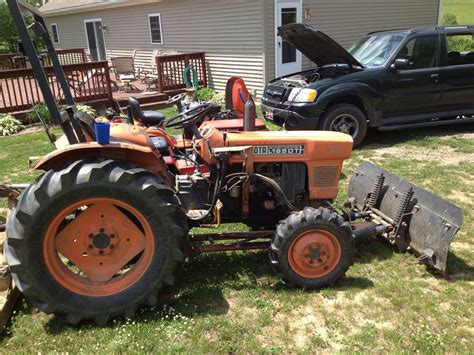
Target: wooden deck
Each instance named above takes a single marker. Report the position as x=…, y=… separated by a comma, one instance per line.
x=145, y=97
x=93, y=83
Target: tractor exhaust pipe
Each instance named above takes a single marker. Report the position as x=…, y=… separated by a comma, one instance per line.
x=250, y=114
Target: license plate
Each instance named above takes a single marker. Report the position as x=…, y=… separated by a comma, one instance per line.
x=269, y=115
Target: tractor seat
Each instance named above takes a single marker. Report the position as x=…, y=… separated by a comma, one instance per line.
x=148, y=118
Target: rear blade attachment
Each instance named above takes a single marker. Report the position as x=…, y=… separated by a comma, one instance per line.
x=415, y=219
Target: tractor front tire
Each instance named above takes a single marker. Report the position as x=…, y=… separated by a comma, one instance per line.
x=96, y=240
x=312, y=248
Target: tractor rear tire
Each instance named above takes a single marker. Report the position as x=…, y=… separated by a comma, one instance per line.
x=312, y=248
x=96, y=240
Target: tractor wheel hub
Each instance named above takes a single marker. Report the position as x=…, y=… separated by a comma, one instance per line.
x=315, y=254
x=101, y=241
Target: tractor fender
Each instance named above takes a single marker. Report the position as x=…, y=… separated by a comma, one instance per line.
x=367, y=94
x=144, y=157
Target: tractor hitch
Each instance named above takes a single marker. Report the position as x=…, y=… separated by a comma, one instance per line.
x=408, y=217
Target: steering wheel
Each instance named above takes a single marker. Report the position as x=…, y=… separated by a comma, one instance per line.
x=176, y=98
x=189, y=118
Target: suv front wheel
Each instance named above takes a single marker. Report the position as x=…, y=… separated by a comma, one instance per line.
x=346, y=118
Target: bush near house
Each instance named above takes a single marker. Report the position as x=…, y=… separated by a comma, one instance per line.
x=42, y=110
x=9, y=125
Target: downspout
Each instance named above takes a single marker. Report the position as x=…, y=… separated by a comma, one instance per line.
x=439, y=12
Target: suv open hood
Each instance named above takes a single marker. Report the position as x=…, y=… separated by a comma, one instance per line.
x=316, y=45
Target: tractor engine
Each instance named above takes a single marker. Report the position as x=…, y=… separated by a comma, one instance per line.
x=266, y=206
x=259, y=177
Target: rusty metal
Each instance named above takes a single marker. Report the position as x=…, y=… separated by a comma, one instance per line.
x=230, y=236
x=248, y=166
x=242, y=241
x=211, y=248
x=415, y=219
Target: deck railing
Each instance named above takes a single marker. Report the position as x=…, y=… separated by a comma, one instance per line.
x=170, y=70
x=88, y=82
x=66, y=56
x=12, y=61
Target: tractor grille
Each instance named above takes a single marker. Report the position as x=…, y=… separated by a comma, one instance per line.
x=325, y=176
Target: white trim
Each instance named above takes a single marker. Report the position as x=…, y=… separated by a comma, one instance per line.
x=86, y=21
x=100, y=5
x=57, y=32
x=161, y=29
x=299, y=4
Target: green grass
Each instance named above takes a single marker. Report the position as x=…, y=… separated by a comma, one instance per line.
x=233, y=302
x=463, y=9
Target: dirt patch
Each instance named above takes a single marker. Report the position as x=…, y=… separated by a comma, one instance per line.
x=328, y=320
x=464, y=197
x=442, y=155
x=462, y=136
x=461, y=246
x=34, y=128
x=238, y=311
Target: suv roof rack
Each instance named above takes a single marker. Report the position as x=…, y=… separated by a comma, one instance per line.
x=422, y=29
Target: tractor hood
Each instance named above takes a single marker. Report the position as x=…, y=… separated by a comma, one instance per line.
x=316, y=45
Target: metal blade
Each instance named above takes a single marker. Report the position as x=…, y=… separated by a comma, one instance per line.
x=433, y=221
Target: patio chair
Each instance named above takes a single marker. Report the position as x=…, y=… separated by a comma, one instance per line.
x=152, y=73
x=124, y=69
x=78, y=82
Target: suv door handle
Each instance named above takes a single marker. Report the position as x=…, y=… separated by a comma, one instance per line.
x=435, y=77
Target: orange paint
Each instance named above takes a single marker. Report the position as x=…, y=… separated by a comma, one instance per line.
x=99, y=264
x=314, y=253
x=322, y=150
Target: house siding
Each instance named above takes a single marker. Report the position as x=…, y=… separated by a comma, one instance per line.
x=230, y=33
x=238, y=36
x=347, y=20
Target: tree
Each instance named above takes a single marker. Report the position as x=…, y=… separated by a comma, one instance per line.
x=8, y=35
x=450, y=20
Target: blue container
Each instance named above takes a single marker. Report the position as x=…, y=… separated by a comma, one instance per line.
x=102, y=131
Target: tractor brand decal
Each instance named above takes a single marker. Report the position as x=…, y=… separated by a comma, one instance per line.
x=279, y=150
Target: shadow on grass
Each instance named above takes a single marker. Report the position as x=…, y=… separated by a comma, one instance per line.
x=458, y=269
x=373, y=249
x=205, y=280
x=377, y=139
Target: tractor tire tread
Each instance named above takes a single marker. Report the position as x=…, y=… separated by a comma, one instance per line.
x=296, y=221
x=104, y=171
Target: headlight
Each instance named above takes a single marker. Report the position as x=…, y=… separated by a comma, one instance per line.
x=302, y=95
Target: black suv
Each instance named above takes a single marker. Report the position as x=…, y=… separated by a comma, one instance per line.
x=390, y=79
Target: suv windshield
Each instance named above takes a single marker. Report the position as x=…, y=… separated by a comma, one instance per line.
x=374, y=50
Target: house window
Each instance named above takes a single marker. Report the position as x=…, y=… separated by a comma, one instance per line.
x=54, y=29
x=156, y=30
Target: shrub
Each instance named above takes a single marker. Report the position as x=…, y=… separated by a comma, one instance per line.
x=87, y=109
x=449, y=20
x=43, y=111
x=39, y=109
x=218, y=98
x=9, y=125
x=205, y=94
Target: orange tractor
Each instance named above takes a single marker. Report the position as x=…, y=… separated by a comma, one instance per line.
x=106, y=227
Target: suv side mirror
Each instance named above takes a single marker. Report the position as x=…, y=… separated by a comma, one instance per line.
x=400, y=64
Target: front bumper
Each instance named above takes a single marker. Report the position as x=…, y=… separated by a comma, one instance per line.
x=296, y=117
